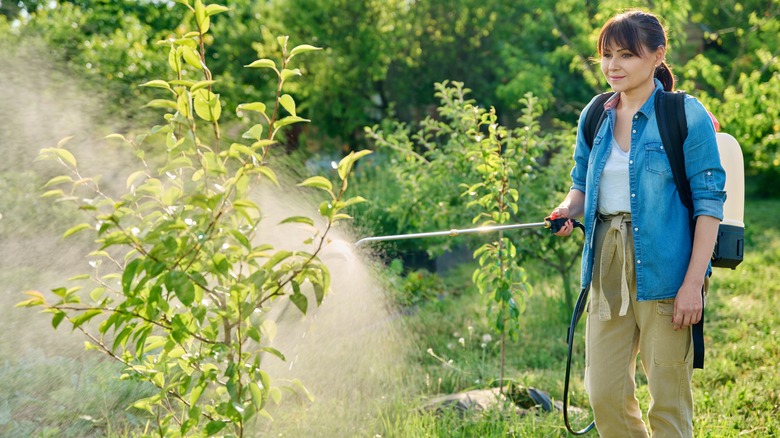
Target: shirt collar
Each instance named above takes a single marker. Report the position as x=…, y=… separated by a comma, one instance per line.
x=648, y=106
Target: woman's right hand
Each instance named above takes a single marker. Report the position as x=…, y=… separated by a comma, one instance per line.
x=567, y=228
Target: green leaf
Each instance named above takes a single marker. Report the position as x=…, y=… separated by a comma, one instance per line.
x=215, y=9
x=298, y=384
x=178, y=283
x=214, y=426
x=346, y=163
x=319, y=182
x=275, y=352
x=171, y=196
x=237, y=149
x=354, y=200
x=97, y=293
x=201, y=84
x=200, y=11
x=86, y=316
x=174, y=60
x=129, y=274
x=221, y=263
x=183, y=105
x=300, y=302
x=298, y=220
x=303, y=48
x=62, y=142
x=57, y=318
x=262, y=63
x=288, y=103
x=116, y=137
x=76, y=229
x=204, y=25
x=278, y=257
x=326, y=208
x=276, y=395
x=289, y=121
x=183, y=82
x=207, y=105
x=197, y=391
x=162, y=103
x=66, y=156
x=52, y=193
x=146, y=404
x=36, y=300
x=156, y=84
x=287, y=74
x=58, y=180
x=265, y=379
x=254, y=133
x=254, y=106
x=191, y=57
x=268, y=173
x=257, y=395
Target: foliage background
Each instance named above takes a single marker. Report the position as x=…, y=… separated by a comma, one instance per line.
x=380, y=63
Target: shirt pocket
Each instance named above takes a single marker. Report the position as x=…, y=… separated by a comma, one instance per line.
x=596, y=145
x=656, y=160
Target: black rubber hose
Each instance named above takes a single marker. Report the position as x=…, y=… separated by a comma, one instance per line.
x=579, y=309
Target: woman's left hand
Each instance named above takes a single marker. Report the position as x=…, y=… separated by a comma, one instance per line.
x=688, y=306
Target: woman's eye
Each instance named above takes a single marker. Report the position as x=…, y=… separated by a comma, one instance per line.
x=627, y=55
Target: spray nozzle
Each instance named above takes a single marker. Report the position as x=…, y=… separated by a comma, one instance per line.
x=556, y=223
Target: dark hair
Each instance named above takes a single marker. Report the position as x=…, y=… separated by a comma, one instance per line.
x=637, y=32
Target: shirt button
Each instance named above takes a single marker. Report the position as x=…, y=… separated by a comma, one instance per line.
x=636, y=229
x=633, y=195
x=636, y=116
x=630, y=161
x=634, y=131
x=709, y=173
x=639, y=262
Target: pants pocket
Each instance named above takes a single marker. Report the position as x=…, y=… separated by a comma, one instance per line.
x=670, y=347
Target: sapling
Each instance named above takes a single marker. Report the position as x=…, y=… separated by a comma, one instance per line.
x=180, y=281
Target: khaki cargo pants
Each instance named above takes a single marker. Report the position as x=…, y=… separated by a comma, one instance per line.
x=615, y=337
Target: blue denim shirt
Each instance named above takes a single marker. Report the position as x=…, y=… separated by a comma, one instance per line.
x=662, y=238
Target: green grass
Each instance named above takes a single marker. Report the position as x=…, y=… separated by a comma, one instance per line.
x=736, y=394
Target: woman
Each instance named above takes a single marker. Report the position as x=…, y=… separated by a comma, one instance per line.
x=647, y=272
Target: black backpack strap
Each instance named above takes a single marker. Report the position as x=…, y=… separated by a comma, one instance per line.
x=595, y=117
x=673, y=127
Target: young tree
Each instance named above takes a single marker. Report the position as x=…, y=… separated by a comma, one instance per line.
x=181, y=285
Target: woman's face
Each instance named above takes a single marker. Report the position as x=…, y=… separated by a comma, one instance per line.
x=628, y=72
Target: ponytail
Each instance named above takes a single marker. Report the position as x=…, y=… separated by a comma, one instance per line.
x=664, y=74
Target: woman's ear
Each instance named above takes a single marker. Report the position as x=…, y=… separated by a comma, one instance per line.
x=660, y=55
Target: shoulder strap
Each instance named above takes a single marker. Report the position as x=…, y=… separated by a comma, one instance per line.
x=673, y=127
x=595, y=117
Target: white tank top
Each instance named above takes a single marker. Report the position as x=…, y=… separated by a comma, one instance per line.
x=614, y=187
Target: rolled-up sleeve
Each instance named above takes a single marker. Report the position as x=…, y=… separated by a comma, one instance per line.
x=702, y=162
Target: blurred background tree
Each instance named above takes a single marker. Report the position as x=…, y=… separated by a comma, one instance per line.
x=383, y=57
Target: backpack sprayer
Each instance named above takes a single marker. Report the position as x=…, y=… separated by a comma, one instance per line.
x=554, y=225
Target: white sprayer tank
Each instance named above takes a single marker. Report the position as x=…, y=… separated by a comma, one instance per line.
x=733, y=163
x=730, y=247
